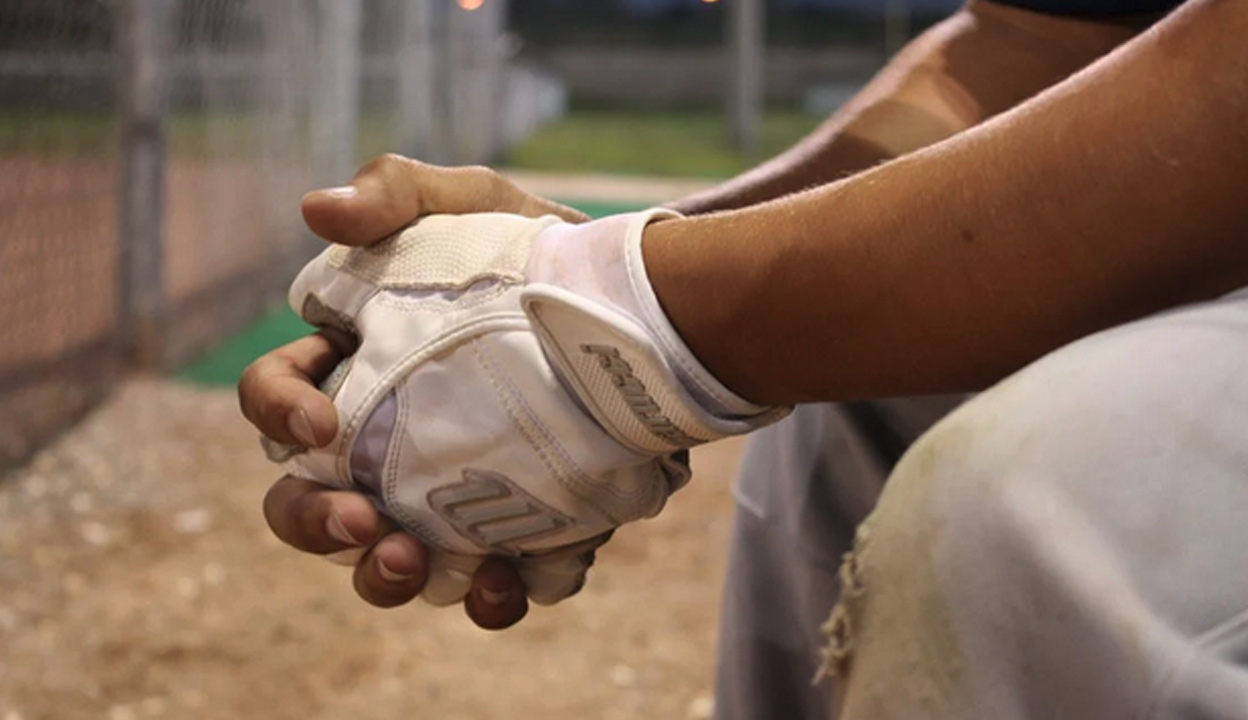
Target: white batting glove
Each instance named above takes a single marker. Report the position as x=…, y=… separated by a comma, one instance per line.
x=517, y=390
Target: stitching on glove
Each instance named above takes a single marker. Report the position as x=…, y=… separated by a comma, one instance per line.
x=561, y=466
x=470, y=298
x=394, y=508
x=400, y=369
x=391, y=478
x=581, y=484
x=389, y=487
x=431, y=253
x=602, y=496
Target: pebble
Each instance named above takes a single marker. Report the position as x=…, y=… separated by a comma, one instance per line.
x=74, y=584
x=188, y=588
x=81, y=503
x=95, y=533
x=192, y=522
x=36, y=486
x=192, y=699
x=213, y=574
x=623, y=676
x=701, y=707
x=153, y=706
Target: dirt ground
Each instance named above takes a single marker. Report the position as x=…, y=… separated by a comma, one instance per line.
x=138, y=580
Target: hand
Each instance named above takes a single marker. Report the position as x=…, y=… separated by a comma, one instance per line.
x=516, y=391
x=391, y=191
x=278, y=392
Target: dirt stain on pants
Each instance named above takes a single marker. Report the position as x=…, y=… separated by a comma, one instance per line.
x=891, y=642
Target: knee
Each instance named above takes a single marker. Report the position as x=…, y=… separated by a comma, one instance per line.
x=1026, y=528
x=960, y=534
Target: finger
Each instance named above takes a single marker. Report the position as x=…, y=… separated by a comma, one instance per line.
x=393, y=572
x=450, y=577
x=391, y=191
x=278, y=394
x=537, y=206
x=558, y=575
x=498, y=599
x=347, y=558
x=549, y=585
x=316, y=519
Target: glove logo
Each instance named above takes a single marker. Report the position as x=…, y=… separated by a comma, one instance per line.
x=492, y=511
x=637, y=397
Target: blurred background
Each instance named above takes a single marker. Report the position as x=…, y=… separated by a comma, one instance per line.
x=152, y=157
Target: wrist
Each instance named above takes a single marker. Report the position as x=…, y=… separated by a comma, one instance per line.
x=605, y=331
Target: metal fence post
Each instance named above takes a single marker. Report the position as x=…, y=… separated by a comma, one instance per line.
x=421, y=97
x=335, y=104
x=146, y=43
x=474, y=75
x=745, y=95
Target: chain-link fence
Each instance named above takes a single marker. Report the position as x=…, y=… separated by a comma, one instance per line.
x=153, y=152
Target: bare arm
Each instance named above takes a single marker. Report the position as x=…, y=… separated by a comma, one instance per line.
x=981, y=61
x=1116, y=193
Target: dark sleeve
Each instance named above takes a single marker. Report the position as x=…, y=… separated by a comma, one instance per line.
x=1094, y=7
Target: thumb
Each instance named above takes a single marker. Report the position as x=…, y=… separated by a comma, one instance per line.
x=391, y=191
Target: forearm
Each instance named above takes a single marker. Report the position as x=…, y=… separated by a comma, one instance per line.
x=1116, y=194
x=983, y=60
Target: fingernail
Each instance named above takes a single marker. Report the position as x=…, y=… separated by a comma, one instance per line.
x=389, y=575
x=301, y=427
x=338, y=531
x=494, y=597
x=342, y=192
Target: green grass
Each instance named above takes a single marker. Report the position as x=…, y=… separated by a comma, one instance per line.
x=692, y=144
x=57, y=134
x=83, y=134
x=689, y=143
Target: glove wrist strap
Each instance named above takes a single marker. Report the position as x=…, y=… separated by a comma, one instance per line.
x=592, y=304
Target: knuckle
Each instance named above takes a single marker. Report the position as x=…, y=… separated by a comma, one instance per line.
x=487, y=182
x=374, y=591
x=383, y=164
x=252, y=374
x=249, y=390
x=481, y=173
x=274, y=510
x=311, y=510
x=499, y=619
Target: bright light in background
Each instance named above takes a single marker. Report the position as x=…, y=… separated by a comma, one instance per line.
x=708, y=2
x=471, y=5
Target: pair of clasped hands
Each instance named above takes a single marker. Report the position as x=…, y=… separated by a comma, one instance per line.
x=278, y=392
x=492, y=371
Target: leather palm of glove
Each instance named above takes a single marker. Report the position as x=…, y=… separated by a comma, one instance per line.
x=516, y=391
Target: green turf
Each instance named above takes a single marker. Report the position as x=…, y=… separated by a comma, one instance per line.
x=224, y=365
x=57, y=134
x=688, y=144
x=679, y=143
